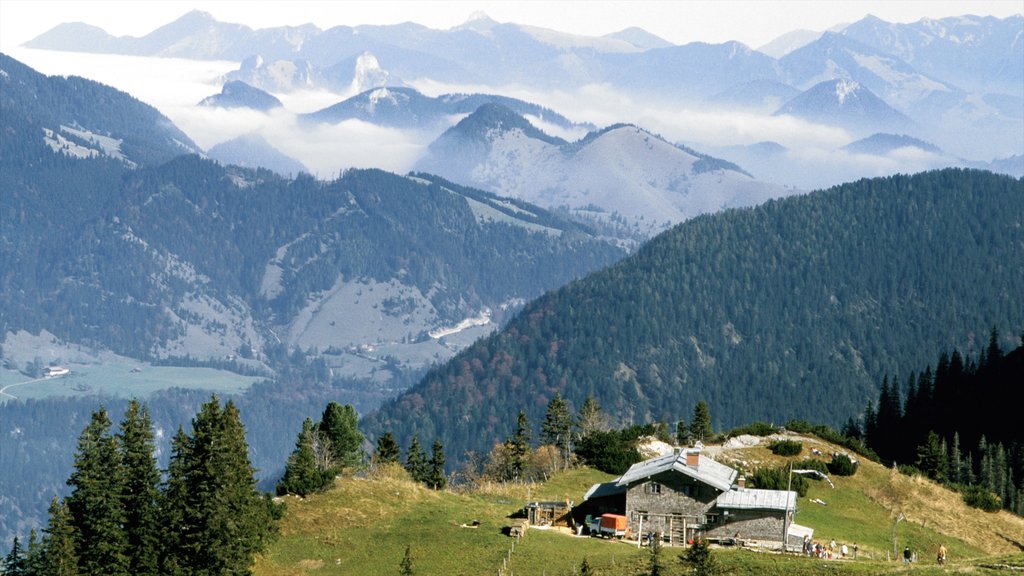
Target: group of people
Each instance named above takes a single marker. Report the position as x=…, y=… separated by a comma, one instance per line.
x=909, y=556
x=829, y=551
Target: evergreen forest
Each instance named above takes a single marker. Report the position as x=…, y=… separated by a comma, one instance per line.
x=791, y=310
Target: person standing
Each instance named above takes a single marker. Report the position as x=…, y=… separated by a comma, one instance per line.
x=906, y=555
x=854, y=550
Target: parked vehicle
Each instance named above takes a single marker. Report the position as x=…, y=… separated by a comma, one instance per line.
x=608, y=526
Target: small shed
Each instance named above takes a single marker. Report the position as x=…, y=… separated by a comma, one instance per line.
x=549, y=513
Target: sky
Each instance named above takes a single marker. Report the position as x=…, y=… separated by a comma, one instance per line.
x=753, y=22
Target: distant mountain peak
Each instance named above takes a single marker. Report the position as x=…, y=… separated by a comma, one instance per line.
x=844, y=88
x=369, y=74
x=478, y=21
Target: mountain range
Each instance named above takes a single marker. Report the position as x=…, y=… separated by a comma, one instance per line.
x=955, y=82
x=497, y=150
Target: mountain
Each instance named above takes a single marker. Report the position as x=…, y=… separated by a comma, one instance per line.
x=252, y=151
x=276, y=75
x=237, y=94
x=793, y=309
x=789, y=42
x=408, y=108
x=881, y=144
x=640, y=38
x=195, y=259
x=83, y=118
x=834, y=56
x=847, y=104
x=628, y=181
x=981, y=54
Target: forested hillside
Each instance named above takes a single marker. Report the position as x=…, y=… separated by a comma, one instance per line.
x=794, y=309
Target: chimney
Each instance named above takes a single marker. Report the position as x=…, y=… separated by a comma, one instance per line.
x=741, y=483
x=693, y=459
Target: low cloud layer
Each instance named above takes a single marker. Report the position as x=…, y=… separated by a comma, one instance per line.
x=813, y=155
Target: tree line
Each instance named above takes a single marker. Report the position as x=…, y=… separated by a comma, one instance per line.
x=958, y=423
x=201, y=516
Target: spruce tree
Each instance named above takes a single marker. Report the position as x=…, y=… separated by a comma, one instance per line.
x=59, y=557
x=557, y=426
x=436, y=478
x=681, y=433
x=341, y=426
x=14, y=562
x=301, y=476
x=35, y=555
x=519, y=448
x=387, y=449
x=416, y=461
x=223, y=519
x=96, y=501
x=700, y=424
x=141, y=492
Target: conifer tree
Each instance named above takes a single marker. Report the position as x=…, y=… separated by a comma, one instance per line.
x=387, y=449
x=557, y=426
x=590, y=418
x=14, y=562
x=141, y=492
x=222, y=519
x=35, y=555
x=700, y=424
x=436, y=478
x=681, y=432
x=416, y=461
x=341, y=426
x=301, y=475
x=96, y=501
x=955, y=464
x=519, y=448
x=59, y=557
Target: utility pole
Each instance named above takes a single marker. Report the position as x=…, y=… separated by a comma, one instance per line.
x=785, y=515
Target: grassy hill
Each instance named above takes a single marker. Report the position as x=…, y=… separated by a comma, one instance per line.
x=363, y=524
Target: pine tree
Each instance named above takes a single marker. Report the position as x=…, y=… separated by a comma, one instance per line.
x=341, y=426
x=301, y=475
x=96, y=501
x=59, y=557
x=387, y=449
x=14, y=562
x=141, y=491
x=416, y=461
x=436, y=478
x=700, y=424
x=656, y=568
x=557, y=427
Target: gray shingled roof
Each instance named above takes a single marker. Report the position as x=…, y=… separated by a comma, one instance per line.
x=756, y=499
x=707, y=471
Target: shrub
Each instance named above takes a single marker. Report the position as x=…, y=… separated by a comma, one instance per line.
x=978, y=497
x=842, y=465
x=755, y=429
x=778, y=479
x=812, y=464
x=786, y=448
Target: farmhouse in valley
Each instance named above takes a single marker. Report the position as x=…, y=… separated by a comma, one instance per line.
x=686, y=495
